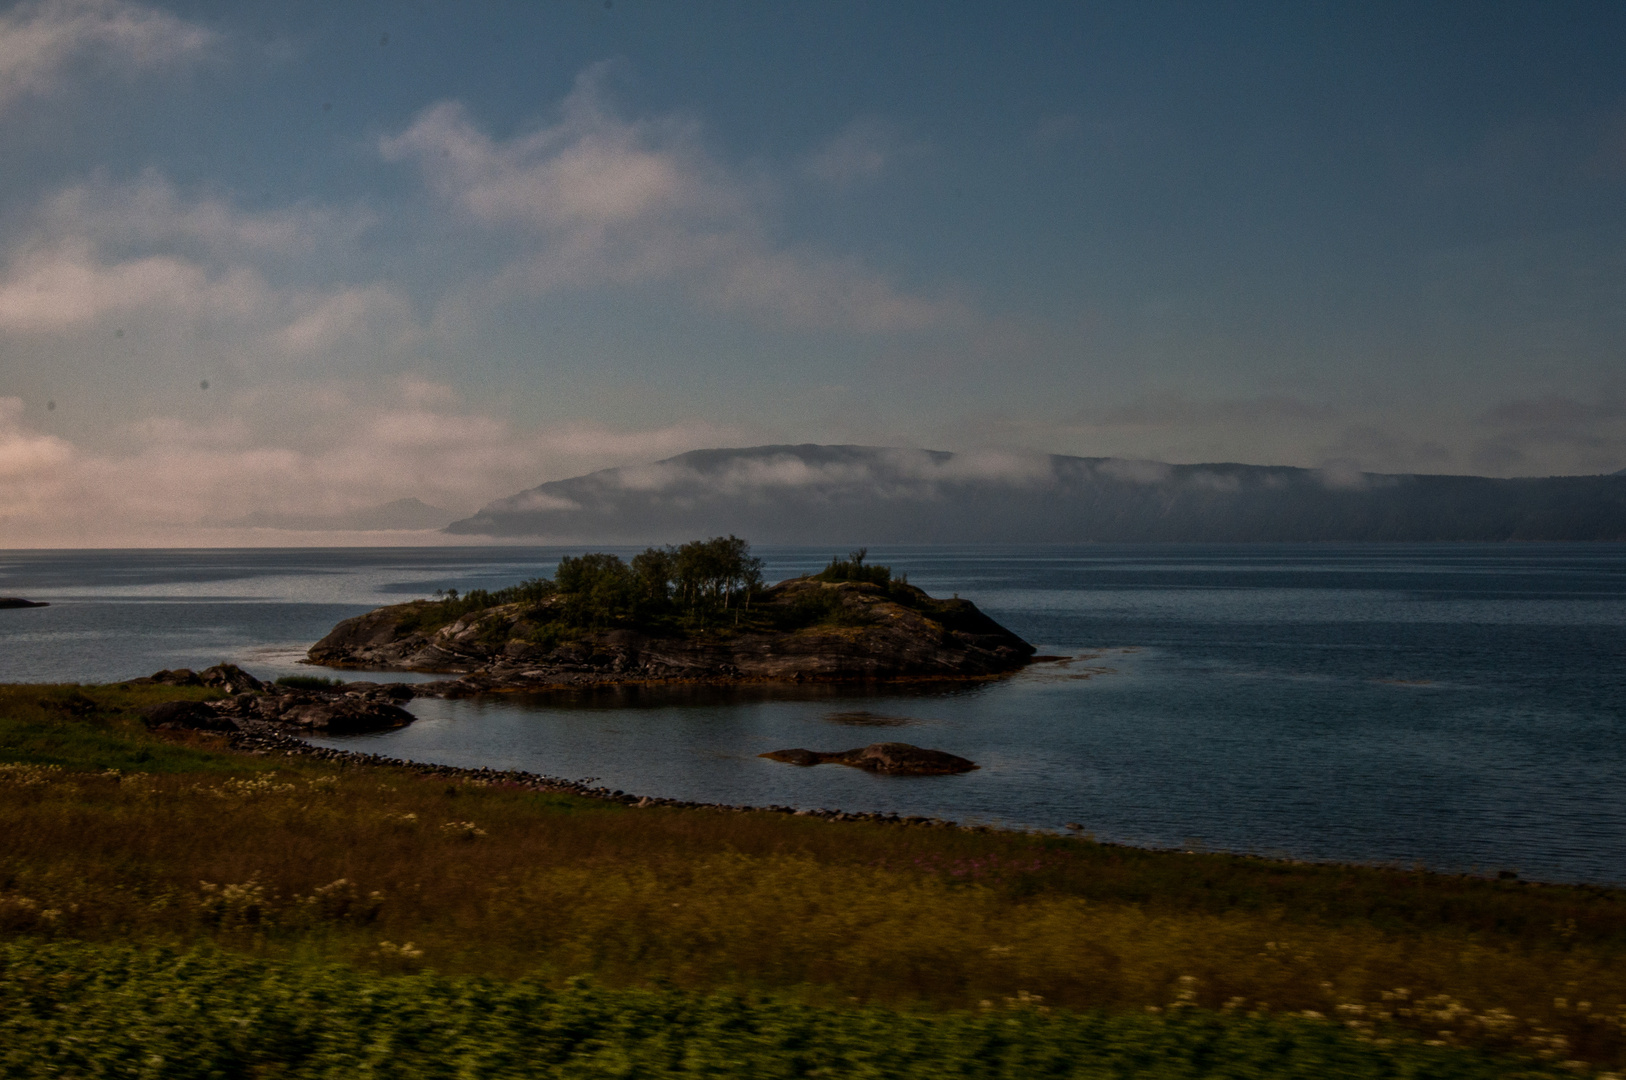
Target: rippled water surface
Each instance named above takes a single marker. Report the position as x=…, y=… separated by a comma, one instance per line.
x=1462, y=706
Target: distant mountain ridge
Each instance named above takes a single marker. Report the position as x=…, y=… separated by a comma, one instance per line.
x=818, y=494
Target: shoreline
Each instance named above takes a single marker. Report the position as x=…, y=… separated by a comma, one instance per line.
x=461, y=687
x=269, y=740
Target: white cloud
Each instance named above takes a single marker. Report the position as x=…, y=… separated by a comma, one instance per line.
x=68, y=284
x=1135, y=471
x=372, y=316
x=295, y=450
x=22, y=452
x=1343, y=475
x=861, y=151
x=148, y=211
x=598, y=199
x=102, y=251
x=40, y=41
x=894, y=473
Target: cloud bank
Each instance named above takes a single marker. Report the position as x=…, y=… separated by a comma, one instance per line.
x=41, y=42
x=291, y=453
x=598, y=199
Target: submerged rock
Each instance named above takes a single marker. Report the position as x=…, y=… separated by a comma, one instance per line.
x=798, y=757
x=892, y=758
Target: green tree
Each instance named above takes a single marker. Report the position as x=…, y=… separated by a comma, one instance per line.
x=598, y=589
x=716, y=573
x=653, y=570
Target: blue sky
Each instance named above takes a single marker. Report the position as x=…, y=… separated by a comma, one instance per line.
x=451, y=251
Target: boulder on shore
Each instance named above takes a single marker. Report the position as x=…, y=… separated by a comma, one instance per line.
x=227, y=677
x=891, y=758
x=186, y=716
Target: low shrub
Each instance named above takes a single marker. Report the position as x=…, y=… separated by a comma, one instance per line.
x=853, y=568
x=76, y=1010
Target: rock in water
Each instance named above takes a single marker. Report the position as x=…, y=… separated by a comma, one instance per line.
x=17, y=601
x=343, y=716
x=891, y=758
x=903, y=759
x=795, y=757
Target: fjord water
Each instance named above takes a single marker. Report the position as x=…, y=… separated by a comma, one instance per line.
x=1461, y=706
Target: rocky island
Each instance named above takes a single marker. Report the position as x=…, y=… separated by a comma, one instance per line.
x=699, y=613
x=695, y=613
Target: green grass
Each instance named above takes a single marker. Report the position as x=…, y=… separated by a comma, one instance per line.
x=98, y=728
x=116, y=835
x=84, y=1011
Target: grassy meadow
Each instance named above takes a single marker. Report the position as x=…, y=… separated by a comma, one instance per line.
x=228, y=914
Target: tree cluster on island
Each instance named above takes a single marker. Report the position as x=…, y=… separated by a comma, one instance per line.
x=691, y=586
x=698, y=611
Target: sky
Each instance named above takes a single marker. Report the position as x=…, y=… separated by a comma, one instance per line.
x=294, y=260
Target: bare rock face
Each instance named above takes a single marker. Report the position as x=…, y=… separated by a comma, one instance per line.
x=891, y=758
x=800, y=630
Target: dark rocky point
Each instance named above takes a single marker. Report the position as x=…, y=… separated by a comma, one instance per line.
x=352, y=709
x=17, y=601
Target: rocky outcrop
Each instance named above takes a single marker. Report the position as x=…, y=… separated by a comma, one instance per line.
x=891, y=758
x=228, y=677
x=17, y=601
x=186, y=716
x=352, y=709
x=320, y=714
x=800, y=630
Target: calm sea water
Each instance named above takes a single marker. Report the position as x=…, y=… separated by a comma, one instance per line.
x=1459, y=706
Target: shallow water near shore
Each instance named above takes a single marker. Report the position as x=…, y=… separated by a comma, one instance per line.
x=1461, y=706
